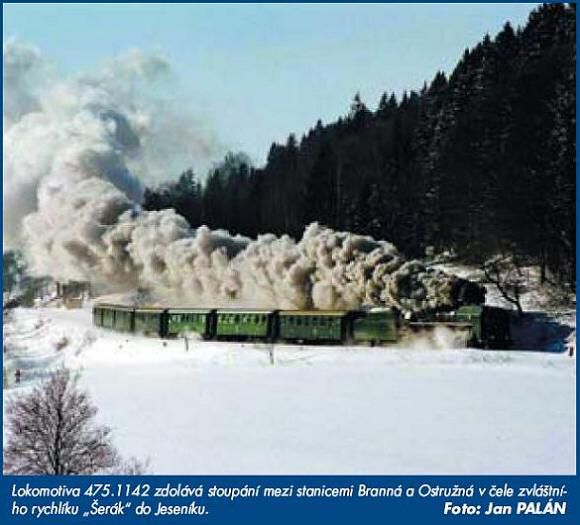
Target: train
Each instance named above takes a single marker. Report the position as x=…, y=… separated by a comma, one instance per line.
x=473, y=325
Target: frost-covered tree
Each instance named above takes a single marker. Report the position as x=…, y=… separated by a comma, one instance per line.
x=52, y=431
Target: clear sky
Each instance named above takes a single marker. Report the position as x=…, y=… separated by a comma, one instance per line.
x=260, y=71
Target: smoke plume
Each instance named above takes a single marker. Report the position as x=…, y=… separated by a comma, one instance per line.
x=76, y=154
x=107, y=130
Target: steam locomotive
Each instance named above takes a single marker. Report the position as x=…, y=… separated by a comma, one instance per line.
x=473, y=324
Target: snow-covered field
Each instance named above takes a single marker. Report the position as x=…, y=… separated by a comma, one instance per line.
x=226, y=408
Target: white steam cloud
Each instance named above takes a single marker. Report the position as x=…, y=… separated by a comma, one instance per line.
x=109, y=126
x=76, y=151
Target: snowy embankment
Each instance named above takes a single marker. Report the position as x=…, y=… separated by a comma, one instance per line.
x=225, y=408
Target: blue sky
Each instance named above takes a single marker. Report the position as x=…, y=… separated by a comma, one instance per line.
x=257, y=72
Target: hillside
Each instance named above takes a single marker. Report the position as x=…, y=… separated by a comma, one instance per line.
x=479, y=162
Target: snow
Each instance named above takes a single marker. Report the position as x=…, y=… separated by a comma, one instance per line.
x=224, y=408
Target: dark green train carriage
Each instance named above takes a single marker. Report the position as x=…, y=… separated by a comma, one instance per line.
x=245, y=324
x=375, y=326
x=191, y=320
x=151, y=321
x=98, y=312
x=313, y=326
x=115, y=317
x=108, y=316
x=124, y=319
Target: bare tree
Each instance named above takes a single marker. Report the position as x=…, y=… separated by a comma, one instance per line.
x=506, y=274
x=52, y=430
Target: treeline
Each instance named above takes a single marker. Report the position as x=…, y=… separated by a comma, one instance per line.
x=481, y=162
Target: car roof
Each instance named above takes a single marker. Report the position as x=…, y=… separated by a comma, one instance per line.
x=314, y=313
x=246, y=311
x=190, y=310
x=113, y=306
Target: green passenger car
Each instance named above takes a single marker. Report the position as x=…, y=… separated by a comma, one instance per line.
x=115, y=317
x=183, y=320
x=98, y=311
x=301, y=325
x=375, y=327
x=150, y=321
x=124, y=319
x=107, y=316
x=244, y=324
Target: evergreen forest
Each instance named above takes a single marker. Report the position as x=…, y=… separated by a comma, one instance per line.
x=479, y=162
